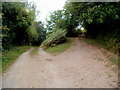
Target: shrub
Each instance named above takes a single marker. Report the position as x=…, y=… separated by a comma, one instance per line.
x=55, y=38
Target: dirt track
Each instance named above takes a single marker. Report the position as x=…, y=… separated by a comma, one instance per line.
x=78, y=67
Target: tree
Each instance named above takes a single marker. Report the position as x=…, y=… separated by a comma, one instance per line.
x=64, y=20
x=54, y=16
x=19, y=26
x=101, y=20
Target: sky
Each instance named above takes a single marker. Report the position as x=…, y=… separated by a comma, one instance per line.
x=47, y=6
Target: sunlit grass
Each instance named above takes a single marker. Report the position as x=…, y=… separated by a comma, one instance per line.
x=60, y=48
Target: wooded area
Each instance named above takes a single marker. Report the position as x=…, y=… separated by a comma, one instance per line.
x=76, y=47
x=99, y=21
x=19, y=26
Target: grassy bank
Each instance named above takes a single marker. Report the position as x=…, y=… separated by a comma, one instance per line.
x=60, y=48
x=8, y=57
x=101, y=44
x=94, y=42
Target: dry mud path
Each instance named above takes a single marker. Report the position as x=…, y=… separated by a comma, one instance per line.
x=81, y=66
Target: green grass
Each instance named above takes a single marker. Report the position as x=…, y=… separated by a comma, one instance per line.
x=60, y=48
x=101, y=44
x=114, y=61
x=8, y=57
x=34, y=51
x=93, y=42
x=0, y=67
x=98, y=43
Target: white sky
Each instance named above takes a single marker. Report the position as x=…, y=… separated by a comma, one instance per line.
x=46, y=6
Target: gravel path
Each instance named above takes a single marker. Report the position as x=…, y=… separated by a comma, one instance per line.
x=81, y=66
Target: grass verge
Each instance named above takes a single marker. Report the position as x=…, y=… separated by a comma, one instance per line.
x=34, y=51
x=101, y=44
x=114, y=61
x=92, y=42
x=60, y=48
x=8, y=57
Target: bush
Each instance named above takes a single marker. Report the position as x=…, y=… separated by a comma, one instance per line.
x=55, y=38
